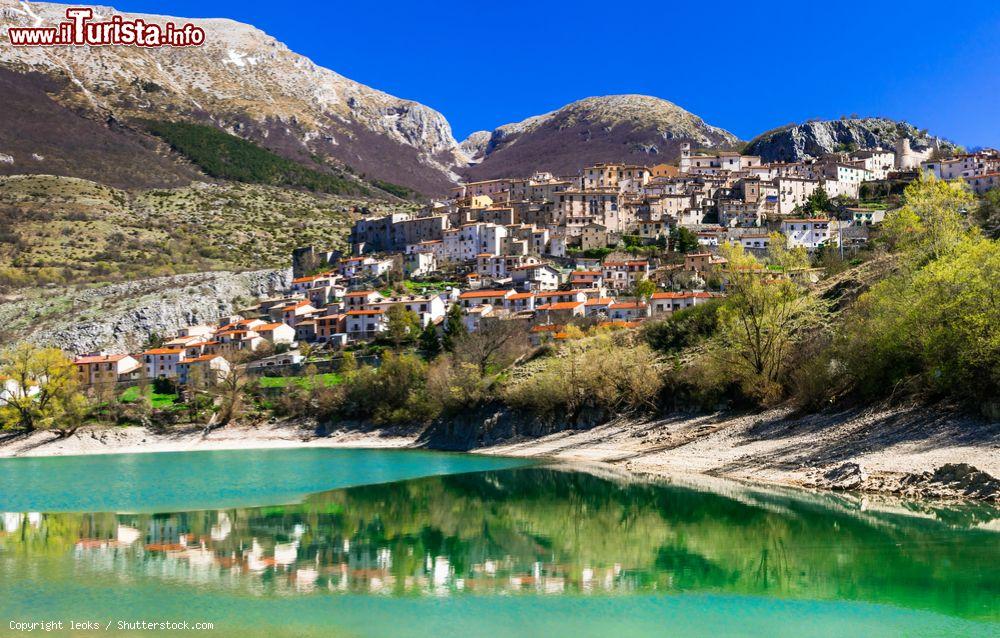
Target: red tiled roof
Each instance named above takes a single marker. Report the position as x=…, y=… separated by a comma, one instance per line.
x=562, y=305
x=99, y=358
x=479, y=294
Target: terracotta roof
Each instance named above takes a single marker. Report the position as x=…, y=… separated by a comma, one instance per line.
x=548, y=327
x=202, y=358
x=561, y=305
x=682, y=295
x=601, y=301
x=618, y=324
x=269, y=326
x=99, y=358
x=164, y=351
x=479, y=294
x=628, y=305
x=521, y=295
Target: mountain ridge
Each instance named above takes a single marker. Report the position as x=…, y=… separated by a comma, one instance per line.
x=626, y=127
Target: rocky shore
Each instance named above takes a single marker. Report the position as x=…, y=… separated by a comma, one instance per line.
x=910, y=452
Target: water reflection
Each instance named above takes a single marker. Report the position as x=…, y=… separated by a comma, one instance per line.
x=537, y=531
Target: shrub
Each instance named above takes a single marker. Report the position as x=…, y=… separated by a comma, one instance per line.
x=683, y=328
x=596, y=375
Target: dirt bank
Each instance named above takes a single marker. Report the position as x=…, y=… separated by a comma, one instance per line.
x=910, y=451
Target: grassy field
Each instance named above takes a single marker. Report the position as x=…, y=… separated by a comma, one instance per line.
x=64, y=230
x=327, y=379
x=158, y=400
x=416, y=287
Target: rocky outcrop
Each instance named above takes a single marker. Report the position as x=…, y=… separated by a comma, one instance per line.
x=797, y=142
x=615, y=128
x=122, y=317
x=475, y=146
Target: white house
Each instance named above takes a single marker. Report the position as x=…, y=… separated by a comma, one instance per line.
x=213, y=368
x=162, y=362
x=808, y=233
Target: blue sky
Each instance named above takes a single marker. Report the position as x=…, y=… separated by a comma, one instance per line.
x=745, y=67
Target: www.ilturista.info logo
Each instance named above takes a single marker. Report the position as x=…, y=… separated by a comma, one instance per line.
x=79, y=30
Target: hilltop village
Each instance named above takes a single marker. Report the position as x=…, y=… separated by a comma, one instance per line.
x=614, y=245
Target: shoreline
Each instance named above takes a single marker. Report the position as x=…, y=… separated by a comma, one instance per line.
x=910, y=452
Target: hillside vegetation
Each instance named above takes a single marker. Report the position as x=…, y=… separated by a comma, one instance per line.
x=226, y=156
x=65, y=230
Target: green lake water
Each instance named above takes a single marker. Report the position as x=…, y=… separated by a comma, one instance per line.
x=407, y=543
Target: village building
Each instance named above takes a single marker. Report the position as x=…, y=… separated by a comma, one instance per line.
x=666, y=302
x=99, y=368
x=208, y=369
x=623, y=275
x=808, y=233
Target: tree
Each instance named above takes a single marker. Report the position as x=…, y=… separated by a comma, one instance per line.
x=933, y=328
x=454, y=327
x=683, y=240
x=930, y=222
x=41, y=390
x=779, y=254
x=496, y=344
x=818, y=202
x=402, y=325
x=988, y=213
x=228, y=397
x=759, y=320
x=644, y=289
x=430, y=342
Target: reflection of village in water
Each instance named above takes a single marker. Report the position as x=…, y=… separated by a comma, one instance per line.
x=281, y=560
x=539, y=532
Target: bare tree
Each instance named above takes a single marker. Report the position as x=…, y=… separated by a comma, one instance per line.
x=497, y=343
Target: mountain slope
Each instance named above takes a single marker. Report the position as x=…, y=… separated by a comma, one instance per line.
x=797, y=142
x=39, y=135
x=67, y=230
x=614, y=128
x=248, y=83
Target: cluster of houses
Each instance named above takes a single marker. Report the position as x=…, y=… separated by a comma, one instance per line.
x=516, y=250
x=504, y=225
x=326, y=310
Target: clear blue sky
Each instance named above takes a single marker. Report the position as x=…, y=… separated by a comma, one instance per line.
x=746, y=67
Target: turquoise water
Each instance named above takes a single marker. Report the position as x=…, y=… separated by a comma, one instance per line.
x=401, y=543
x=196, y=480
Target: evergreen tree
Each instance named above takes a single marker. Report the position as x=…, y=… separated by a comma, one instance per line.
x=683, y=240
x=430, y=343
x=454, y=327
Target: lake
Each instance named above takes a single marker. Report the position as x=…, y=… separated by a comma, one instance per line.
x=318, y=542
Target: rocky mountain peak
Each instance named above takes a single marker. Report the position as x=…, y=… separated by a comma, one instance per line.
x=798, y=142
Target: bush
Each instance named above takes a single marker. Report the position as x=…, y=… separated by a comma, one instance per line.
x=595, y=376
x=682, y=329
x=163, y=385
x=395, y=392
x=456, y=386
x=935, y=329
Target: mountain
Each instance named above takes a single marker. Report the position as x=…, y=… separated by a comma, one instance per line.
x=796, y=142
x=241, y=80
x=613, y=128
